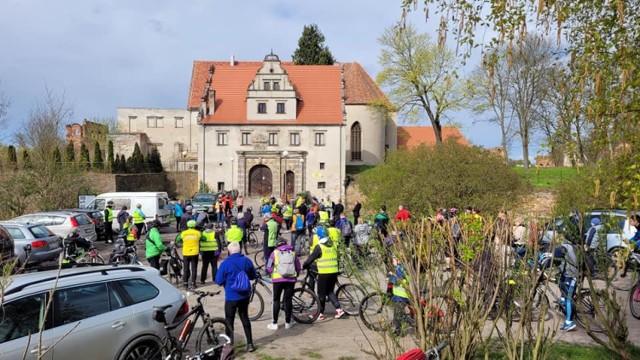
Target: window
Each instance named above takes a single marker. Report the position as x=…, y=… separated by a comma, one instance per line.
x=155, y=121
x=16, y=233
x=179, y=121
x=22, y=317
x=39, y=232
x=220, y=186
x=273, y=139
x=139, y=290
x=276, y=85
x=319, y=139
x=262, y=108
x=80, y=303
x=322, y=185
x=267, y=85
x=76, y=132
x=245, y=138
x=222, y=139
x=294, y=139
x=280, y=108
x=356, y=141
x=321, y=166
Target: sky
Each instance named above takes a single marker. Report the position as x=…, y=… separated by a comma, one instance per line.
x=139, y=53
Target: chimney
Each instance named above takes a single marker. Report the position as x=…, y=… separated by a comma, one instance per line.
x=233, y=61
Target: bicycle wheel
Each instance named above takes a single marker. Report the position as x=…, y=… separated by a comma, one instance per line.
x=620, y=280
x=258, y=258
x=538, y=306
x=586, y=314
x=97, y=259
x=253, y=240
x=210, y=335
x=349, y=296
x=376, y=311
x=634, y=301
x=256, y=306
x=304, y=246
x=306, y=306
x=175, y=270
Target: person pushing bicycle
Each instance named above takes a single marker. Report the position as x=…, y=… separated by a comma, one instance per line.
x=565, y=255
x=400, y=282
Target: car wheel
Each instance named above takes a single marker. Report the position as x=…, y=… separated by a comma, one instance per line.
x=145, y=347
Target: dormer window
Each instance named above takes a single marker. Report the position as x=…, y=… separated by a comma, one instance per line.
x=262, y=108
x=267, y=85
x=276, y=85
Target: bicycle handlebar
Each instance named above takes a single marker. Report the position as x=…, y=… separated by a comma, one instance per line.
x=205, y=293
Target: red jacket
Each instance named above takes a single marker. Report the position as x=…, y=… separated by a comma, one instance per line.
x=403, y=215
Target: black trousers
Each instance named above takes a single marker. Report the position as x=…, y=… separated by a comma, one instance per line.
x=154, y=261
x=208, y=258
x=108, y=230
x=326, y=285
x=242, y=307
x=178, y=218
x=190, y=269
x=287, y=289
x=139, y=227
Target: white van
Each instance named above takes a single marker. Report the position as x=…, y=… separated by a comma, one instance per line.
x=155, y=205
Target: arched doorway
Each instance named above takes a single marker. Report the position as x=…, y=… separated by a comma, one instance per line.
x=260, y=181
x=289, y=184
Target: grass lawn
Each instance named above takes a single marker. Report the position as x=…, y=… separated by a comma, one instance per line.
x=546, y=177
x=567, y=351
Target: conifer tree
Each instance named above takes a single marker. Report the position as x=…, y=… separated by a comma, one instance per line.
x=70, y=155
x=26, y=159
x=136, y=163
x=57, y=157
x=311, y=48
x=97, y=157
x=123, y=167
x=85, y=163
x=110, y=157
x=12, y=155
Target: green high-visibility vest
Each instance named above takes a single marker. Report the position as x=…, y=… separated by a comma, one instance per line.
x=210, y=244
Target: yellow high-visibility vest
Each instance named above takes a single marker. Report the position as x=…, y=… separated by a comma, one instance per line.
x=328, y=262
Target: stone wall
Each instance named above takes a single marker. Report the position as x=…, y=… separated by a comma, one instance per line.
x=179, y=188
x=171, y=182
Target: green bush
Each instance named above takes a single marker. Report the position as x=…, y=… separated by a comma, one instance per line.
x=448, y=175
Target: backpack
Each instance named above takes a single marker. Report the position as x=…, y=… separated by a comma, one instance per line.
x=241, y=284
x=299, y=223
x=346, y=228
x=286, y=266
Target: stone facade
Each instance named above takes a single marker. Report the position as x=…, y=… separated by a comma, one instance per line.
x=87, y=133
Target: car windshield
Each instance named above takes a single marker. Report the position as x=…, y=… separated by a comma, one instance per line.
x=204, y=198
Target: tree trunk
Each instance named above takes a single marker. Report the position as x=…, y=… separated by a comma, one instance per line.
x=525, y=150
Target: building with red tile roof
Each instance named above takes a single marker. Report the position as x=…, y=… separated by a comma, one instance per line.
x=412, y=136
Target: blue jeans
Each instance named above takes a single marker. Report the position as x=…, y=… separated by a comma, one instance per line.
x=567, y=287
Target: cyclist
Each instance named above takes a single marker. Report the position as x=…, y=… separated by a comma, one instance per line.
x=210, y=250
x=153, y=245
x=234, y=233
x=108, y=222
x=71, y=244
x=283, y=266
x=635, y=222
x=566, y=256
x=190, y=251
x=400, y=282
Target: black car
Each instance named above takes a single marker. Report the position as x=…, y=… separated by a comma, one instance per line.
x=97, y=217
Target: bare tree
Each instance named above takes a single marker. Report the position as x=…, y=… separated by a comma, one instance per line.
x=42, y=132
x=419, y=76
x=4, y=108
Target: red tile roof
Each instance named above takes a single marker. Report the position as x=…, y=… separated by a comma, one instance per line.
x=412, y=136
x=318, y=88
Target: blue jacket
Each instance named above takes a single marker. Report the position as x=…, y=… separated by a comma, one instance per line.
x=228, y=271
x=177, y=210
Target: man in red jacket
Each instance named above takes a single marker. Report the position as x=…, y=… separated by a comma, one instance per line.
x=402, y=215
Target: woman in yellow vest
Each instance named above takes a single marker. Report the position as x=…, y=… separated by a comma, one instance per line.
x=400, y=282
x=190, y=252
x=129, y=231
x=138, y=220
x=210, y=251
x=326, y=255
x=284, y=281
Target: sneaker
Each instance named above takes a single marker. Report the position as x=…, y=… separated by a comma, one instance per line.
x=320, y=317
x=109, y=242
x=250, y=347
x=288, y=325
x=272, y=326
x=568, y=326
x=339, y=313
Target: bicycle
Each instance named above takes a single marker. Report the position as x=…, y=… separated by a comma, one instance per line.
x=252, y=238
x=630, y=266
x=439, y=311
x=431, y=354
x=305, y=302
x=124, y=255
x=349, y=295
x=214, y=333
x=86, y=256
x=171, y=264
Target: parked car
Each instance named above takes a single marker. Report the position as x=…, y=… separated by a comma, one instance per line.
x=97, y=217
x=102, y=312
x=204, y=202
x=61, y=222
x=45, y=245
x=155, y=205
x=616, y=224
x=7, y=251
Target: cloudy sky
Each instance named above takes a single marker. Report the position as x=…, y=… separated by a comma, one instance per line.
x=139, y=53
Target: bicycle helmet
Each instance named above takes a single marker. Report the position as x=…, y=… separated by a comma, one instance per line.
x=188, y=208
x=191, y=224
x=154, y=224
x=321, y=232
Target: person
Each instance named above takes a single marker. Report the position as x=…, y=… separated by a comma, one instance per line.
x=346, y=228
x=328, y=206
x=219, y=207
x=242, y=225
x=634, y=221
x=72, y=242
x=592, y=242
x=190, y=252
x=356, y=213
x=320, y=233
x=186, y=217
x=565, y=255
x=361, y=240
x=122, y=217
x=297, y=228
x=129, y=231
x=283, y=281
x=177, y=213
x=310, y=219
x=400, y=281
x=240, y=203
x=323, y=216
x=334, y=233
x=287, y=215
x=108, y=222
x=234, y=301
x=402, y=215
x=234, y=233
x=381, y=221
x=153, y=245
x=202, y=219
x=272, y=236
x=326, y=254
x=138, y=219
x=520, y=236
x=338, y=209
x=210, y=251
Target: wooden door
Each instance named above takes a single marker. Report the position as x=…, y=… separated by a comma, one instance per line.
x=289, y=184
x=260, y=181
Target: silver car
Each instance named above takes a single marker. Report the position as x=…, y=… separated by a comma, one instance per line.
x=61, y=222
x=99, y=312
x=44, y=244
